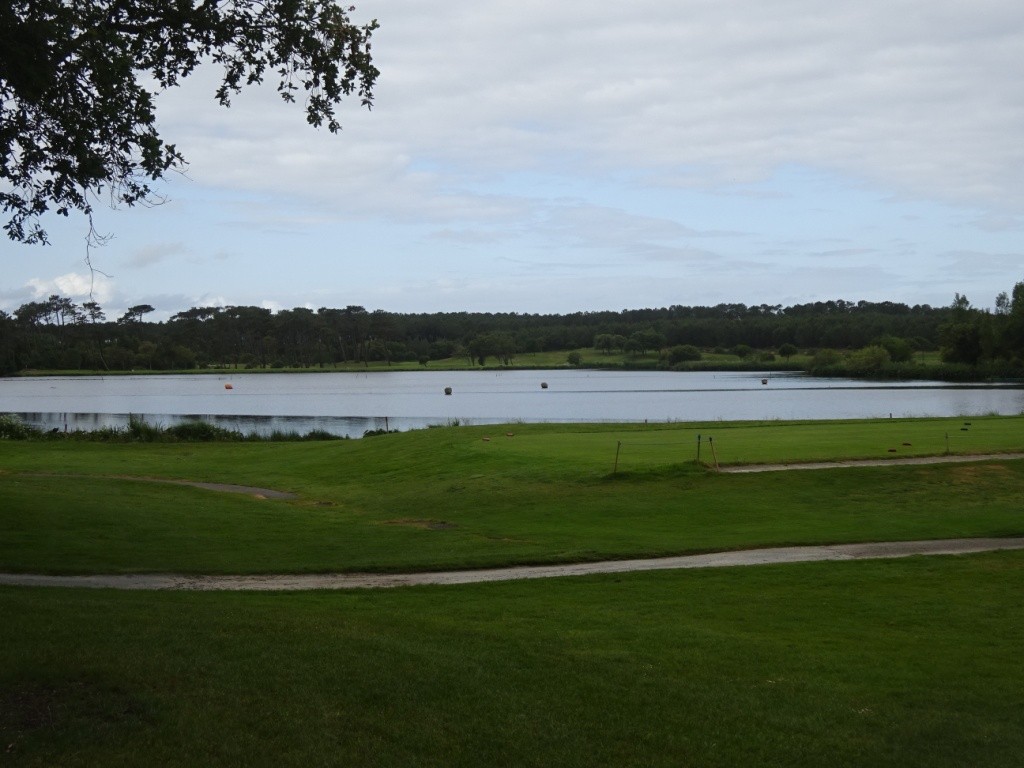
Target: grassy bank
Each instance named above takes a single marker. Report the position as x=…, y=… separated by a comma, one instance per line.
x=474, y=497
x=876, y=663
x=887, y=663
x=926, y=366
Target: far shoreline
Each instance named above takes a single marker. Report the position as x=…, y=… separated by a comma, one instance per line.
x=767, y=369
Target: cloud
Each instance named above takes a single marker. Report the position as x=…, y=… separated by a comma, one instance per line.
x=673, y=152
x=154, y=254
x=983, y=262
x=843, y=253
x=83, y=287
x=467, y=236
x=919, y=96
x=997, y=223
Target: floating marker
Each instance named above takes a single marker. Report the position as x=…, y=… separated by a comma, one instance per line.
x=447, y=390
x=229, y=386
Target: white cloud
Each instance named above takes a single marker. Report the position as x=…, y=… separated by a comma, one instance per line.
x=919, y=95
x=688, y=151
x=81, y=287
x=154, y=254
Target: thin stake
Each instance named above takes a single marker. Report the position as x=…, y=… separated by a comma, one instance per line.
x=618, y=447
x=712, y=444
x=698, y=449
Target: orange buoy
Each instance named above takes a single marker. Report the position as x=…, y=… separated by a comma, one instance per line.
x=229, y=386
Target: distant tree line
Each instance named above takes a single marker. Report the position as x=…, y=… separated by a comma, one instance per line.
x=58, y=334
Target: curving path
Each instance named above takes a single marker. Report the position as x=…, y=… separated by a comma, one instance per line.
x=950, y=459
x=766, y=556
x=166, y=581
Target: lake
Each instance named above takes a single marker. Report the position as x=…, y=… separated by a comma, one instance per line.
x=351, y=403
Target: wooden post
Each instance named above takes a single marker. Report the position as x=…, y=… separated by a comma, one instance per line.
x=712, y=444
x=698, y=449
x=618, y=447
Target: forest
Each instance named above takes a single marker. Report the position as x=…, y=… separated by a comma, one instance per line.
x=837, y=337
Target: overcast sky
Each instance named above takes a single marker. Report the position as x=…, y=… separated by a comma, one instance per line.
x=535, y=156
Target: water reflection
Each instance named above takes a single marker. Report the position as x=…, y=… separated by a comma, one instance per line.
x=350, y=404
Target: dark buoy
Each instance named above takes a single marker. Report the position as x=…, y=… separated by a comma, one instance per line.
x=447, y=390
x=764, y=381
x=543, y=385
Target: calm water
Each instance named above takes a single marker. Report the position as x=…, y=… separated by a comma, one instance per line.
x=350, y=403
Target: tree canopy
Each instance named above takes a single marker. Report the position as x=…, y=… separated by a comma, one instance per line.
x=78, y=79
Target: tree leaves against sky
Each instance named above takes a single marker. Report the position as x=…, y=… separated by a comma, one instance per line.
x=77, y=114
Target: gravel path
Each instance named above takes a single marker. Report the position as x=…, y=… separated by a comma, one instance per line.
x=871, y=462
x=286, y=582
x=167, y=581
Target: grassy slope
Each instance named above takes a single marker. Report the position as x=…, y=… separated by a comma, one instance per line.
x=446, y=498
x=886, y=663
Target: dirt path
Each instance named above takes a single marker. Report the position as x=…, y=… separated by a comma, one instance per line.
x=775, y=555
x=871, y=462
x=248, y=490
x=167, y=581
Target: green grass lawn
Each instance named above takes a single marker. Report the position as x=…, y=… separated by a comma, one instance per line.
x=878, y=663
x=448, y=498
x=885, y=663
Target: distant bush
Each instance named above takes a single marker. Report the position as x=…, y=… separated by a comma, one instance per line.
x=201, y=432
x=787, y=350
x=449, y=423
x=869, y=359
x=682, y=353
x=322, y=434
x=142, y=432
x=900, y=350
x=13, y=428
x=823, y=361
x=138, y=431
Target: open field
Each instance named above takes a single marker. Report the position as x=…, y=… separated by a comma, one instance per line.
x=882, y=663
x=446, y=498
x=909, y=662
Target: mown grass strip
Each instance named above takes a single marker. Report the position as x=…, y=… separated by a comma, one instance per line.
x=446, y=499
x=885, y=663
